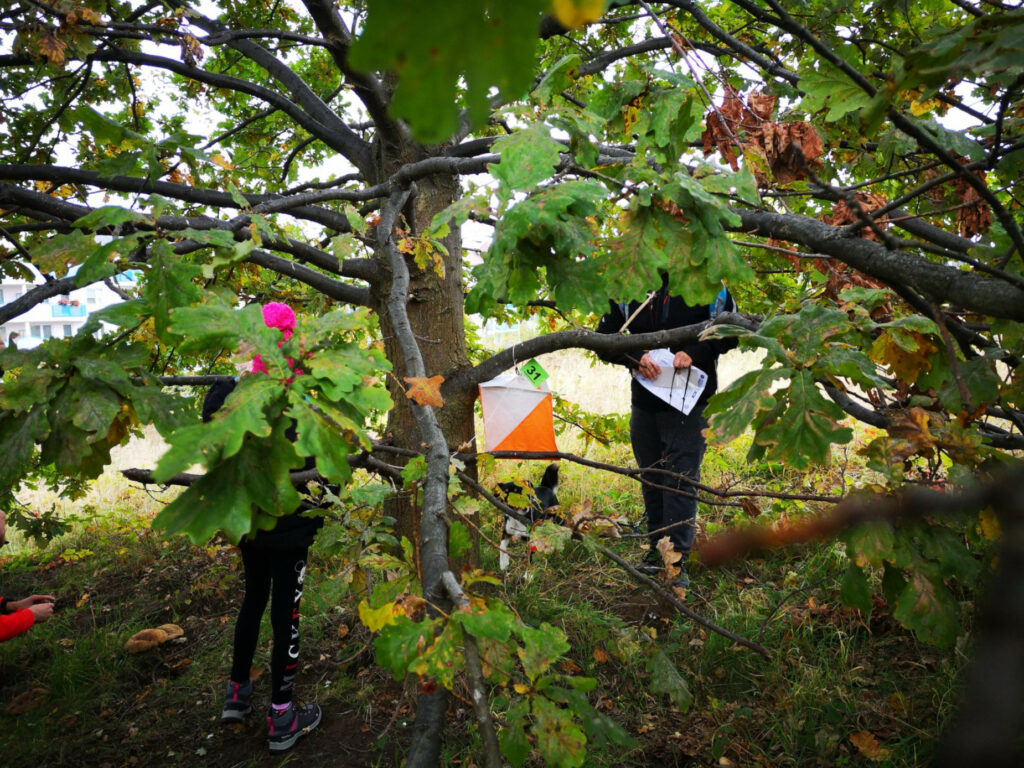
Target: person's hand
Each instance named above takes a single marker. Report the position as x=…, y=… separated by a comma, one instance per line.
x=681, y=360
x=30, y=602
x=42, y=611
x=648, y=368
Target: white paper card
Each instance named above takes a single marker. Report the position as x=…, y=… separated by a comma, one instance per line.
x=681, y=389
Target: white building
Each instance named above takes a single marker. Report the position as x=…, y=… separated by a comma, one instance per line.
x=59, y=316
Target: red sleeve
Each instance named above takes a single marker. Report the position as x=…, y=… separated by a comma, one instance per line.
x=13, y=624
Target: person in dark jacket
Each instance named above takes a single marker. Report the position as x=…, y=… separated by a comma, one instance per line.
x=662, y=436
x=274, y=563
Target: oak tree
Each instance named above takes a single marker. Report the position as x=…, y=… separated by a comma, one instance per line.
x=849, y=171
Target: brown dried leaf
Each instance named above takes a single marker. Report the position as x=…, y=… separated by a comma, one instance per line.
x=761, y=105
x=53, y=48
x=796, y=148
x=191, y=51
x=84, y=16
x=911, y=434
x=750, y=507
x=975, y=216
x=669, y=555
x=425, y=390
x=869, y=746
x=25, y=701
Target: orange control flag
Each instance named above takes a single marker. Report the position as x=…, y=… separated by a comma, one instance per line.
x=517, y=415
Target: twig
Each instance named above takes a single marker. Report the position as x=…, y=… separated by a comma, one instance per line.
x=637, y=576
x=911, y=503
x=474, y=670
x=954, y=364
x=680, y=606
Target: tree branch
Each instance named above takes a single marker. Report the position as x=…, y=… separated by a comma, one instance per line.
x=474, y=670
x=338, y=134
x=582, y=339
x=189, y=194
x=425, y=749
x=940, y=283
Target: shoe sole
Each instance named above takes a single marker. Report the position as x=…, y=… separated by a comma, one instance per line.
x=234, y=716
x=289, y=742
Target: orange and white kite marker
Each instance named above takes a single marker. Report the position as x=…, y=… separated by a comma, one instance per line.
x=517, y=415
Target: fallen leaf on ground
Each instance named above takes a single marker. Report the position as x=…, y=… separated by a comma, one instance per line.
x=869, y=746
x=23, y=702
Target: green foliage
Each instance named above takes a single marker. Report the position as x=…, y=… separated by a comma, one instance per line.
x=432, y=45
x=247, y=441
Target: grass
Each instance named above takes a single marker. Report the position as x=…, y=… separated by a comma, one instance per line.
x=839, y=689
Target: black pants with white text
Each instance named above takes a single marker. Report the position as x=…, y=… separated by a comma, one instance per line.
x=276, y=575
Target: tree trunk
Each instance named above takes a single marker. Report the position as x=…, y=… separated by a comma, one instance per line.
x=436, y=313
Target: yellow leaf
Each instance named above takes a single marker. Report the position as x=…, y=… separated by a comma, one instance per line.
x=918, y=108
x=218, y=159
x=989, y=524
x=424, y=390
x=521, y=688
x=53, y=48
x=575, y=13
x=82, y=600
x=376, y=619
x=84, y=16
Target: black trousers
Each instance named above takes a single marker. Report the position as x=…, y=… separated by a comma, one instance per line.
x=277, y=575
x=669, y=440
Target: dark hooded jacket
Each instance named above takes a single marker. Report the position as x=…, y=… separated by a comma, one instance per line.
x=665, y=312
x=293, y=531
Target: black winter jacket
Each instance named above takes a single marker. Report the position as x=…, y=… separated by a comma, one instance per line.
x=665, y=312
x=293, y=531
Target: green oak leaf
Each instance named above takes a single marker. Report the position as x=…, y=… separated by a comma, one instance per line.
x=495, y=623
x=541, y=647
x=19, y=435
x=807, y=429
x=512, y=737
x=227, y=498
x=874, y=542
x=168, y=286
x=829, y=87
x=666, y=678
x=244, y=413
x=438, y=49
x=400, y=642
x=928, y=608
x=528, y=157
x=442, y=658
x=328, y=437
x=459, y=541
x=560, y=741
x=558, y=78
x=854, y=590
x=600, y=729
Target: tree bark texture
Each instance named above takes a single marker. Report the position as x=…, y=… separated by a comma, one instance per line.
x=435, y=310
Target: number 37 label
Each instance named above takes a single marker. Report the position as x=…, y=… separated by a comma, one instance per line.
x=534, y=372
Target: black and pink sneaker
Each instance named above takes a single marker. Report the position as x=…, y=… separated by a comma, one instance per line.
x=236, y=702
x=291, y=725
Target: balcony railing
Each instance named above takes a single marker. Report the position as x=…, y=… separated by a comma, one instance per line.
x=68, y=310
